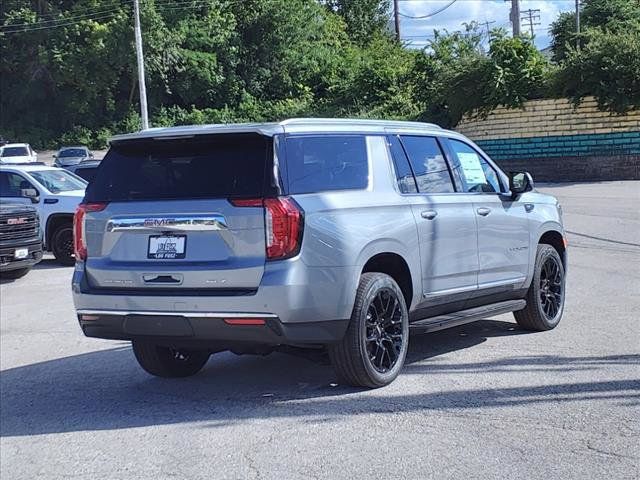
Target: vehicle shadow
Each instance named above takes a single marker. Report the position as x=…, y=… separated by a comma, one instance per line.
x=106, y=390
x=49, y=264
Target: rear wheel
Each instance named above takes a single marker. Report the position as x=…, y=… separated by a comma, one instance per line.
x=14, y=274
x=169, y=362
x=62, y=244
x=374, y=348
x=545, y=297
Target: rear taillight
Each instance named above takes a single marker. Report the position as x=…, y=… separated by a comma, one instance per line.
x=284, y=223
x=79, y=236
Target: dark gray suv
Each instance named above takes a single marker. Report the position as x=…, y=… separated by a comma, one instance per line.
x=335, y=235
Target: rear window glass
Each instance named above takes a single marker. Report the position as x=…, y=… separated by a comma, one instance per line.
x=87, y=173
x=15, y=152
x=212, y=166
x=327, y=162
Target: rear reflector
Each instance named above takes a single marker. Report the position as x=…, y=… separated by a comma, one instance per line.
x=244, y=321
x=89, y=317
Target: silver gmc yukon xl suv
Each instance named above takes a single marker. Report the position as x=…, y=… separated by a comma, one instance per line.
x=341, y=236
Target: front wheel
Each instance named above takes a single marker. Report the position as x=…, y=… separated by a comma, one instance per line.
x=62, y=245
x=373, y=350
x=545, y=297
x=169, y=362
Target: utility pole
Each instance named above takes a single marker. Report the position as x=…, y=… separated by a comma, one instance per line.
x=140, y=56
x=533, y=17
x=486, y=24
x=515, y=17
x=578, y=24
x=396, y=18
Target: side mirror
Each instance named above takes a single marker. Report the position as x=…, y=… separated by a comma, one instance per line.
x=31, y=193
x=519, y=183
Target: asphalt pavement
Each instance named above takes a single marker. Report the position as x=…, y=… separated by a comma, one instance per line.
x=486, y=400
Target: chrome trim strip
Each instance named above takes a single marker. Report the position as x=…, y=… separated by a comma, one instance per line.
x=450, y=291
x=177, y=314
x=190, y=223
x=500, y=283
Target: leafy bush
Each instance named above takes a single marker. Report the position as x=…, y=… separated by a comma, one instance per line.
x=607, y=67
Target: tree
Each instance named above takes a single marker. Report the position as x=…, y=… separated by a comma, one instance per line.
x=607, y=67
x=612, y=16
x=364, y=18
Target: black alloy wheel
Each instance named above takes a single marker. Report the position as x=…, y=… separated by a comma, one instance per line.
x=551, y=287
x=384, y=332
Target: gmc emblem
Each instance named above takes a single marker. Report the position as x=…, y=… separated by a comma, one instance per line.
x=17, y=221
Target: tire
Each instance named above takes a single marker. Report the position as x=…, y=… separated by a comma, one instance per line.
x=359, y=358
x=62, y=245
x=545, y=297
x=168, y=362
x=15, y=274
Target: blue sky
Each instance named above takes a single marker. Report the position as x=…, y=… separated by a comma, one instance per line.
x=415, y=31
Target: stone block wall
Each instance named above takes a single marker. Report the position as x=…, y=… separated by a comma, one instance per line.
x=556, y=142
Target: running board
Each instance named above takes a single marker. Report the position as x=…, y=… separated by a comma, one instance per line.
x=450, y=320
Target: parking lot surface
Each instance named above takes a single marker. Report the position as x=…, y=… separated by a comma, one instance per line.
x=486, y=400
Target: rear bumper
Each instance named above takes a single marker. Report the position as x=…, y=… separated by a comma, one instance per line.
x=9, y=262
x=302, y=304
x=289, y=290
x=209, y=331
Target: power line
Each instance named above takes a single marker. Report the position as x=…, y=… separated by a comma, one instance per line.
x=420, y=17
x=66, y=24
x=101, y=14
x=53, y=23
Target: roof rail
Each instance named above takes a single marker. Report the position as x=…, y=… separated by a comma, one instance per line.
x=361, y=121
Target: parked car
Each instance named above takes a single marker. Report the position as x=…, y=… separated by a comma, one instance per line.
x=17, y=153
x=67, y=156
x=337, y=234
x=20, y=240
x=86, y=170
x=55, y=193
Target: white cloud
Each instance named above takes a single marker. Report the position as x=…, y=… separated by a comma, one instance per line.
x=465, y=11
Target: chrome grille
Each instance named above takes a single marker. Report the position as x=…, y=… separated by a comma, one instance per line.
x=15, y=226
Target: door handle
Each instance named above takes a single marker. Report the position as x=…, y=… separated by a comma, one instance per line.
x=484, y=211
x=429, y=214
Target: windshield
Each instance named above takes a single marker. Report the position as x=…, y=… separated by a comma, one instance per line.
x=57, y=181
x=15, y=152
x=73, y=152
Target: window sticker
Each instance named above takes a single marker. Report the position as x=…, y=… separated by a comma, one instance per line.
x=473, y=172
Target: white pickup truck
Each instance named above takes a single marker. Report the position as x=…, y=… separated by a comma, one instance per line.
x=55, y=193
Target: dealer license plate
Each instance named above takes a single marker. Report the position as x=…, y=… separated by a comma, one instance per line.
x=167, y=247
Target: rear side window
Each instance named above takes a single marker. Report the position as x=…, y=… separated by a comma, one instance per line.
x=326, y=162
x=404, y=175
x=429, y=165
x=211, y=166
